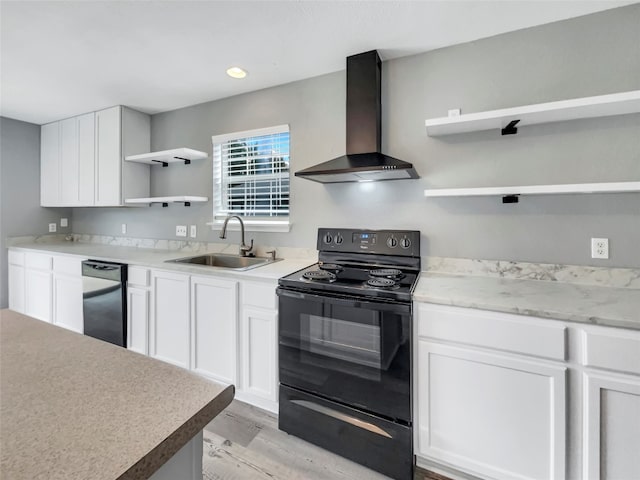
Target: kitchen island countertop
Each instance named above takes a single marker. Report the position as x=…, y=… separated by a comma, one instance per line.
x=73, y=407
x=590, y=304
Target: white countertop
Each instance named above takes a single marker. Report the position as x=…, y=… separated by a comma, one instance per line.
x=154, y=258
x=606, y=306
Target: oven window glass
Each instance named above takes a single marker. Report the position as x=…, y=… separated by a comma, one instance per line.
x=358, y=343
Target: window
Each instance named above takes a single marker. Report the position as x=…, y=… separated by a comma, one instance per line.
x=251, y=177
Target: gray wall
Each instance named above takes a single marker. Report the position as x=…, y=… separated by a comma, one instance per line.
x=20, y=211
x=591, y=55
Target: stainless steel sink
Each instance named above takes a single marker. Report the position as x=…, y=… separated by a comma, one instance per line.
x=231, y=262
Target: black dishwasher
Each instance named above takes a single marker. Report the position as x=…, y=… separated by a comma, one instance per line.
x=104, y=301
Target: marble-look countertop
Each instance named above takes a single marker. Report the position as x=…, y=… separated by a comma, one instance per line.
x=155, y=258
x=606, y=306
x=73, y=407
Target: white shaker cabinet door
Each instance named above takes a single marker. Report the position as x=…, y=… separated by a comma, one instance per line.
x=108, y=157
x=69, y=162
x=16, y=288
x=169, y=335
x=38, y=294
x=67, y=302
x=494, y=416
x=50, y=164
x=137, y=319
x=259, y=352
x=86, y=159
x=214, y=328
x=612, y=427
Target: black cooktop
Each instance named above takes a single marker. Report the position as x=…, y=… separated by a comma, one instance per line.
x=381, y=264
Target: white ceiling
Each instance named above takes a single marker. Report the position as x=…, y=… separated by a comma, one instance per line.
x=63, y=58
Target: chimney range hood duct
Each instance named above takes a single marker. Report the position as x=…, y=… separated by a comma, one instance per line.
x=363, y=161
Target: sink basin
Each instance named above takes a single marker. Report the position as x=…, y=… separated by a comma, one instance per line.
x=220, y=260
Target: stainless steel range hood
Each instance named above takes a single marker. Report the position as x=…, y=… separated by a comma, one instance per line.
x=363, y=161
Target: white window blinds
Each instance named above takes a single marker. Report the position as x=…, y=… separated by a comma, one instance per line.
x=251, y=174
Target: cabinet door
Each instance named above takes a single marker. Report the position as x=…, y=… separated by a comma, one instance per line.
x=259, y=354
x=493, y=416
x=213, y=328
x=137, y=319
x=108, y=157
x=16, y=288
x=67, y=302
x=86, y=159
x=50, y=164
x=612, y=427
x=38, y=294
x=169, y=327
x=69, y=166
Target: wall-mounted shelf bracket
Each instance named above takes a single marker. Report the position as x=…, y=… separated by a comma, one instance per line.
x=164, y=164
x=510, y=199
x=511, y=128
x=186, y=160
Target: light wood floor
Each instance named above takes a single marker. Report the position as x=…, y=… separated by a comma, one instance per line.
x=244, y=443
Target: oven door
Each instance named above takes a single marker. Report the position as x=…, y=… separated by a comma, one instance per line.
x=349, y=350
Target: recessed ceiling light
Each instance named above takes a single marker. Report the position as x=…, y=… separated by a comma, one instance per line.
x=236, y=72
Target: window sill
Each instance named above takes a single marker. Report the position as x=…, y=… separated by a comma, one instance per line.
x=280, y=226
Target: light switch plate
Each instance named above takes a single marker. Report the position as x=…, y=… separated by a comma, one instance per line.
x=123, y=229
x=193, y=231
x=53, y=227
x=64, y=222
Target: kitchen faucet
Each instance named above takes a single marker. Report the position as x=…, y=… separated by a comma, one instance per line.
x=244, y=249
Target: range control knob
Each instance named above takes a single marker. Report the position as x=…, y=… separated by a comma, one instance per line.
x=328, y=238
x=392, y=242
x=405, y=242
x=338, y=239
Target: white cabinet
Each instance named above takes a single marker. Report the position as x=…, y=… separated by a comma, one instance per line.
x=50, y=165
x=38, y=285
x=258, y=383
x=214, y=319
x=67, y=293
x=16, y=281
x=138, y=297
x=492, y=415
x=611, y=386
x=82, y=158
x=491, y=397
x=169, y=332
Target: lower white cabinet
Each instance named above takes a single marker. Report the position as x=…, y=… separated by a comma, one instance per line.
x=214, y=318
x=493, y=415
x=16, y=288
x=138, y=319
x=38, y=285
x=67, y=302
x=169, y=329
x=259, y=343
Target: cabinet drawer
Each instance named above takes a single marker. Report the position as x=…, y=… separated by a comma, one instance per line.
x=612, y=349
x=16, y=258
x=500, y=331
x=138, y=276
x=262, y=295
x=38, y=261
x=67, y=265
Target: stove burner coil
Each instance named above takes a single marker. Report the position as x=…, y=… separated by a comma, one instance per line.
x=330, y=266
x=381, y=282
x=386, y=272
x=319, y=275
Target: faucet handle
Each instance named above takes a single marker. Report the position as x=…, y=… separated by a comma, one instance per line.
x=245, y=249
x=272, y=253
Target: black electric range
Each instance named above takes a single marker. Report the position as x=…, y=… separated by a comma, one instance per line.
x=344, y=330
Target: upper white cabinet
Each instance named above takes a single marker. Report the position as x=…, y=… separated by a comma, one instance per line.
x=82, y=158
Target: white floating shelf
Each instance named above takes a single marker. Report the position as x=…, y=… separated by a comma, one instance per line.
x=165, y=157
x=614, y=187
x=587, y=107
x=165, y=201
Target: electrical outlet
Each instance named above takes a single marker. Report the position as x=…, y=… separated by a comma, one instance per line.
x=193, y=231
x=181, y=230
x=600, y=248
x=64, y=222
x=53, y=227
x=123, y=229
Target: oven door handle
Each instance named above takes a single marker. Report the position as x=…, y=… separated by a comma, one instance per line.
x=345, y=301
x=343, y=417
